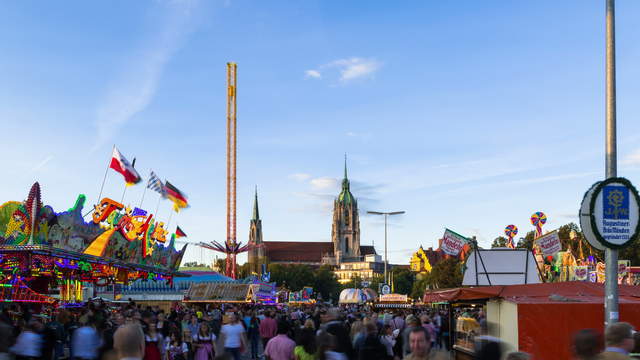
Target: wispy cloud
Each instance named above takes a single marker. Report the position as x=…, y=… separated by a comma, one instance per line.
x=347, y=70
x=135, y=88
x=324, y=183
x=300, y=176
x=632, y=159
x=312, y=74
x=42, y=163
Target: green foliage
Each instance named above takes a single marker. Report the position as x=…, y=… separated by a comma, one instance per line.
x=402, y=280
x=498, y=242
x=445, y=274
x=326, y=283
x=527, y=241
x=419, y=286
x=293, y=277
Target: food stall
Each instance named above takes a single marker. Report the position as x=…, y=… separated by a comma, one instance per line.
x=392, y=301
x=533, y=318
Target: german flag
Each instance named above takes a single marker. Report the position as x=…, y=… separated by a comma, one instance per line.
x=178, y=197
x=180, y=233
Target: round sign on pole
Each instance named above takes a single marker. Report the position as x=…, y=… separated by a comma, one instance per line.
x=613, y=212
x=585, y=219
x=386, y=289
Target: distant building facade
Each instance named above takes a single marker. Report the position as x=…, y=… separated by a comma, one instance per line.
x=344, y=253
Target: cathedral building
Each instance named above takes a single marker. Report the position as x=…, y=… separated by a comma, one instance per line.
x=344, y=253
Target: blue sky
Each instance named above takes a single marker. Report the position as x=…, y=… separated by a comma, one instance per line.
x=469, y=115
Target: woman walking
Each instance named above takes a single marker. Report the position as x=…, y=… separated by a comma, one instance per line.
x=204, y=343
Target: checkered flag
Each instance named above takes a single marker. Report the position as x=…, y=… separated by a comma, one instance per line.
x=156, y=184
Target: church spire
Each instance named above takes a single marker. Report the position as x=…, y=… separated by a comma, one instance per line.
x=345, y=180
x=256, y=214
x=345, y=166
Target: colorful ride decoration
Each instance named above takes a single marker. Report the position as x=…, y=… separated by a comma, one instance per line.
x=538, y=219
x=231, y=249
x=118, y=244
x=511, y=231
x=13, y=289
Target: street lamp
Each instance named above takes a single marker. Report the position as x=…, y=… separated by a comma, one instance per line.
x=386, y=214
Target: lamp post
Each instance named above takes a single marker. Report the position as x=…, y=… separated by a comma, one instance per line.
x=386, y=214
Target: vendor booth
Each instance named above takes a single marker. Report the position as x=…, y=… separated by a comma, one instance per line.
x=357, y=296
x=393, y=301
x=536, y=318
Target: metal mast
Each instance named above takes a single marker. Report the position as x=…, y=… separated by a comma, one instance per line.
x=231, y=166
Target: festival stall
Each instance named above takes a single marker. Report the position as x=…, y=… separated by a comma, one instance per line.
x=302, y=297
x=231, y=292
x=534, y=318
x=41, y=249
x=393, y=301
x=357, y=296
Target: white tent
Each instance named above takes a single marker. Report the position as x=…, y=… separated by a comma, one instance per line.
x=501, y=266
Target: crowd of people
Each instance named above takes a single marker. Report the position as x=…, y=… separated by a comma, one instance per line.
x=126, y=332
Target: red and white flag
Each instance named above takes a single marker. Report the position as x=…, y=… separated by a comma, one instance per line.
x=120, y=164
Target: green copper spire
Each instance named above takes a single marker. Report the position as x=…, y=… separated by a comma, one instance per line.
x=345, y=165
x=345, y=195
x=256, y=214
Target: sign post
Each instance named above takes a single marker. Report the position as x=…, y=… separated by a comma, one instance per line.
x=611, y=163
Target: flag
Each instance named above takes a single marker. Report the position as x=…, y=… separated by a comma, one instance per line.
x=156, y=184
x=180, y=233
x=120, y=164
x=178, y=197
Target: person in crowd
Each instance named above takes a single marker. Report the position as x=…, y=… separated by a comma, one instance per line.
x=327, y=346
x=356, y=332
x=204, y=343
x=268, y=328
x=397, y=322
x=128, y=341
x=306, y=343
x=176, y=349
x=619, y=341
x=428, y=325
x=411, y=323
x=338, y=329
x=28, y=345
x=419, y=343
x=86, y=341
x=518, y=355
x=6, y=336
x=187, y=337
x=194, y=326
x=162, y=326
x=153, y=343
x=587, y=344
x=371, y=347
x=252, y=325
x=281, y=346
x=233, y=336
x=387, y=339
x=309, y=324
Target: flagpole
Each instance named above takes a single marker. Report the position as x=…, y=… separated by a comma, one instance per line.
x=142, y=200
x=169, y=222
x=158, y=206
x=104, y=179
x=124, y=192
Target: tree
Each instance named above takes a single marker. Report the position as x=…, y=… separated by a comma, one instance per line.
x=326, y=283
x=445, y=274
x=294, y=277
x=402, y=280
x=527, y=241
x=499, y=242
x=419, y=286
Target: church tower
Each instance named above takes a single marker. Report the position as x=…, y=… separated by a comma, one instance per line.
x=345, y=230
x=256, y=249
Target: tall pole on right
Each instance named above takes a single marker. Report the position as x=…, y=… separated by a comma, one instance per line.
x=386, y=279
x=611, y=255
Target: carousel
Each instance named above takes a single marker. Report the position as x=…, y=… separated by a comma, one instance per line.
x=44, y=252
